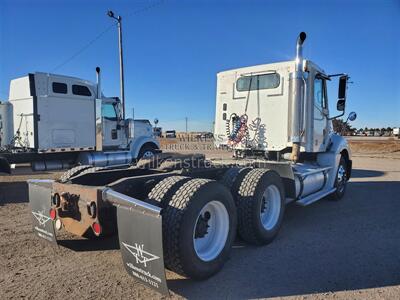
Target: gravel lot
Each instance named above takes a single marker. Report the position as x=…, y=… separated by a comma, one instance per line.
x=348, y=249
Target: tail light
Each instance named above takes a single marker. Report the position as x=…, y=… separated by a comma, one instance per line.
x=96, y=227
x=53, y=214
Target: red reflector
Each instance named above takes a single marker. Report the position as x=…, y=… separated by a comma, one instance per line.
x=96, y=228
x=53, y=214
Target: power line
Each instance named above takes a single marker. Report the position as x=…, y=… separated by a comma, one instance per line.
x=144, y=9
x=84, y=47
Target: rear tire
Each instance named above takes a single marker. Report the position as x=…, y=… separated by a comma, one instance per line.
x=232, y=176
x=94, y=170
x=199, y=227
x=73, y=172
x=162, y=193
x=260, y=203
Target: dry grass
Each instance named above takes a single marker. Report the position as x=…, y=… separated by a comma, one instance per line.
x=357, y=146
x=388, y=146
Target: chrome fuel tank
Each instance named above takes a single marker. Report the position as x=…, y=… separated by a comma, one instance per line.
x=105, y=159
x=309, y=181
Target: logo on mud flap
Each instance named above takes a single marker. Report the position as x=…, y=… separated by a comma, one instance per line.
x=42, y=219
x=141, y=255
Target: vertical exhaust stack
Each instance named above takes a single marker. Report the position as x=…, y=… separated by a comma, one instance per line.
x=97, y=112
x=98, y=81
x=296, y=96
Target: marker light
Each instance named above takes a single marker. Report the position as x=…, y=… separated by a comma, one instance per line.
x=53, y=214
x=96, y=228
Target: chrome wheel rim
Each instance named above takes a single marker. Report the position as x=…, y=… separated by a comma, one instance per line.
x=270, y=207
x=341, y=178
x=211, y=230
x=148, y=154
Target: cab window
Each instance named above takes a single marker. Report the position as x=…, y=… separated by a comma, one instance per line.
x=108, y=111
x=59, y=88
x=258, y=82
x=319, y=93
x=81, y=90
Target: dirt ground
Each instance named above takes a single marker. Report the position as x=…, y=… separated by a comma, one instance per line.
x=389, y=148
x=336, y=250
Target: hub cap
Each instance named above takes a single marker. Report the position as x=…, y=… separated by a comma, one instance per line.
x=148, y=154
x=341, y=178
x=270, y=207
x=211, y=230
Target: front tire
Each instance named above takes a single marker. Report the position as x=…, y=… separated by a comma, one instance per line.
x=340, y=181
x=147, y=151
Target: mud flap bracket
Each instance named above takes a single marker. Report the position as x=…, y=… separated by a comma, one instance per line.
x=140, y=238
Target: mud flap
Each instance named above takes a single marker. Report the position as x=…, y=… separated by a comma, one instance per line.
x=40, y=204
x=4, y=166
x=140, y=239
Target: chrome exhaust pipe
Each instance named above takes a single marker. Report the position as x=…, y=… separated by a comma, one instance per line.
x=296, y=86
x=98, y=81
x=299, y=51
x=97, y=112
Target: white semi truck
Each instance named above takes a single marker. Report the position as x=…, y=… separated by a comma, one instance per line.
x=396, y=132
x=55, y=121
x=182, y=212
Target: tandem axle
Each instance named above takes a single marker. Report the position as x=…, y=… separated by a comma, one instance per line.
x=179, y=212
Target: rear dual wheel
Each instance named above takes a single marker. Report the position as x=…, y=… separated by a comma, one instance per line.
x=200, y=217
x=199, y=224
x=75, y=171
x=260, y=202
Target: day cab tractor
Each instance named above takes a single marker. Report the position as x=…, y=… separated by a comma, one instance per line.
x=182, y=212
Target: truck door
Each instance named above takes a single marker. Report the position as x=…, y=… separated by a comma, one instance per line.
x=320, y=114
x=112, y=132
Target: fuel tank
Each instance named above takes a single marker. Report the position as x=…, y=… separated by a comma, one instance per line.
x=105, y=159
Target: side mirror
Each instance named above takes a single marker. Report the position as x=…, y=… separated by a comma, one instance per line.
x=342, y=87
x=341, y=103
x=352, y=116
x=342, y=93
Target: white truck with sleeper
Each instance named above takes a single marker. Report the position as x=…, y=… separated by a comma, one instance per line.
x=56, y=121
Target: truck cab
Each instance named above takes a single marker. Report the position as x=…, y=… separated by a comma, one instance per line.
x=259, y=100
x=69, y=119
x=279, y=113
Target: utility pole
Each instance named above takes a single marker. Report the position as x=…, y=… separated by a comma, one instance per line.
x=110, y=13
x=186, y=123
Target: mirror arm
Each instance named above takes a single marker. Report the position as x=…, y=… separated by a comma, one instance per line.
x=336, y=75
x=341, y=115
